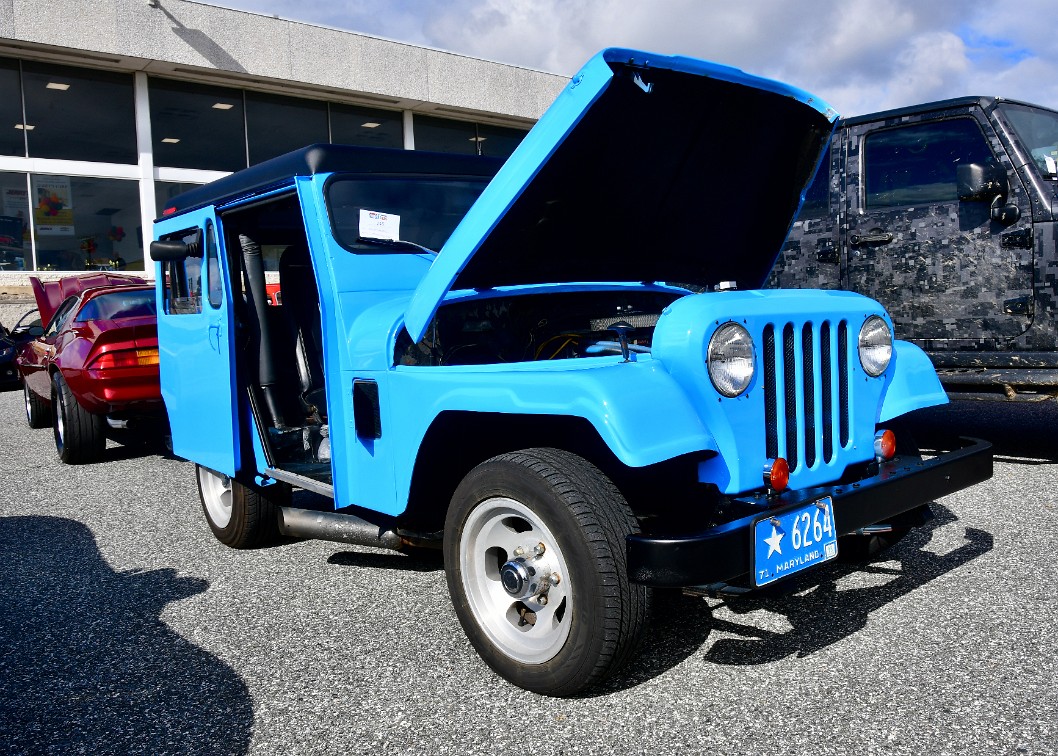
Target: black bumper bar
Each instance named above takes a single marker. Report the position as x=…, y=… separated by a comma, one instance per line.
x=724, y=552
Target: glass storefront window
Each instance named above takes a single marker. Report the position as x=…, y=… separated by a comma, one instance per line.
x=166, y=190
x=445, y=135
x=352, y=124
x=276, y=124
x=86, y=223
x=197, y=126
x=12, y=130
x=79, y=113
x=14, y=223
x=497, y=141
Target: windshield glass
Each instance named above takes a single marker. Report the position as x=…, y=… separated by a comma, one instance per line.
x=388, y=214
x=119, y=304
x=1038, y=131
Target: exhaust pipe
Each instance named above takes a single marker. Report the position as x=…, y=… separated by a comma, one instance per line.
x=330, y=526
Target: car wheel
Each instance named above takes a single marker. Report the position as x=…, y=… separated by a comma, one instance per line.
x=38, y=411
x=80, y=436
x=240, y=516
x=534, y=551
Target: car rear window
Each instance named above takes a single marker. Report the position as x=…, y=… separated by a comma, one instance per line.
x=119, y=304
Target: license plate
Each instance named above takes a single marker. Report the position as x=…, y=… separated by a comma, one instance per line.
x=793, y=541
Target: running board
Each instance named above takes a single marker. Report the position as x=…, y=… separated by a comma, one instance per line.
x=301, y=481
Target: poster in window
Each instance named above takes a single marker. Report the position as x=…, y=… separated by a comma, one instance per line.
x=53, y=211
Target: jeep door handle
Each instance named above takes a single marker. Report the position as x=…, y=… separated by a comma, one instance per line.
x=858, y=240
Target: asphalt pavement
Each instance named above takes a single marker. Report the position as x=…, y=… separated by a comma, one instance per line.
x=125, y=628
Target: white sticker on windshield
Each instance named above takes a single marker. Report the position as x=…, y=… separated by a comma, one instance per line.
x=376, y=225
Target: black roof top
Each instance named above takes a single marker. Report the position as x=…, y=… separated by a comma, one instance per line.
x=985, y=102
x=329, y=158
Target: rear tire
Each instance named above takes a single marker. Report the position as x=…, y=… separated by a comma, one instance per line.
x=38, y=411
x=240, y=516
x=80, y=436
x=515, y=520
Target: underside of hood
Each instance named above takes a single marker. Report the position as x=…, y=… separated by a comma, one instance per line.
x=646, y=168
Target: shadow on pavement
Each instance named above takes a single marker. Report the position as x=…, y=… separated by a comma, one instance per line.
x=819, y=613
x=87, y=665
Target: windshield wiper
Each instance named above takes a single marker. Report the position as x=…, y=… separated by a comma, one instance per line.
x=394, y=244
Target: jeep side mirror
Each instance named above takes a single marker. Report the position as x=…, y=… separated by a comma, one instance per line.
x=176, y=249
x=981, y=183
x=987, y=183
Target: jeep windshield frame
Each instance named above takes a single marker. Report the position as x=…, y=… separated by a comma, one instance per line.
x=422, y=211
x=1037, y=128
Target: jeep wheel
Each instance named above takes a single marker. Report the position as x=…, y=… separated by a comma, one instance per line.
x=534, y=551
x=240, y=516
x=80, y=436
x=38, y=411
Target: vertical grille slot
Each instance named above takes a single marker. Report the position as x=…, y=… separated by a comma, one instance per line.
x=771, y=411
x=826, y=392
x=806, y=392
x=843, y=381
x=809, y=380
x=789, y=370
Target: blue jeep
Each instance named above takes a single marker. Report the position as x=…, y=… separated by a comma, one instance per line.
x=580, y=396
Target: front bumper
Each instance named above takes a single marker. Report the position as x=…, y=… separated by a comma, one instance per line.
x=725, y=552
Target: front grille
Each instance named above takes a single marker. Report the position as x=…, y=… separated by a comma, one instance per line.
x=806, y=392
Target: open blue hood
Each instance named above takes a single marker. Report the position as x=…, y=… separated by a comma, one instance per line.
x=645, y=168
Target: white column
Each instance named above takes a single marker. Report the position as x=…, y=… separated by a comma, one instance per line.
x=409, y=131
x=145, y=150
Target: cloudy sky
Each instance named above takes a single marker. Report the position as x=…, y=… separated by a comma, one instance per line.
x=859, y=55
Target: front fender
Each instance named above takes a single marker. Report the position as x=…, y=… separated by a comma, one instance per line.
x=638, y=410
x=911, y=383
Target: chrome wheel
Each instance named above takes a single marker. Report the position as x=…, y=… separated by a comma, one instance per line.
x=215, y=489
x=516, y=580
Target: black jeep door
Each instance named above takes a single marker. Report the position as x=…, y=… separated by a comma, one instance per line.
x=942, y=267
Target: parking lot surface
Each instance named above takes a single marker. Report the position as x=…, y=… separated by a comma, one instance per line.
x=126, y=628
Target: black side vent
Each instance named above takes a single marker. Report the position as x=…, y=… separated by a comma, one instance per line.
x=366, y=413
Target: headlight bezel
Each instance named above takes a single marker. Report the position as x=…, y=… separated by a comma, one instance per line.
x=875, y=353
x=732, y=375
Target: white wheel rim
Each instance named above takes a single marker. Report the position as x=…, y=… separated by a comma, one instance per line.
x=494, y=531
x=25, y=397
x=60, y=418
x=216, y=495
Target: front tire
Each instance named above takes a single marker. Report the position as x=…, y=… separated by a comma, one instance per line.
x=240, y=516
x=80, y=436
x=38, y=411
x=534, y=550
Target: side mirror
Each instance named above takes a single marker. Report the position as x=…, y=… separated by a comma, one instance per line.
x=987, y=183
x=177, y=249
x=35, y=331
x=981, y=183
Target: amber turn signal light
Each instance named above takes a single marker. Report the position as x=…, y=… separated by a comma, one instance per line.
x=776, y=474
x=884, y=445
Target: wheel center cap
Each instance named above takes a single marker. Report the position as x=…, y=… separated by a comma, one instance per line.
x=519, y=578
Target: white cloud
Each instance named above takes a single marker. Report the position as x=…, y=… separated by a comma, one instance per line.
x=859, y=55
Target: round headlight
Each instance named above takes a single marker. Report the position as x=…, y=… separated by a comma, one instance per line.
x=876, y=346
x=730, y=359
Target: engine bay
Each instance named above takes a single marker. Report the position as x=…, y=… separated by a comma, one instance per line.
x=531, y=327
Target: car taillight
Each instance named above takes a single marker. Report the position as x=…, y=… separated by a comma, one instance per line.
x=123, y=358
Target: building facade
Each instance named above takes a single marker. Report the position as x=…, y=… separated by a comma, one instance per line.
x=110, y=107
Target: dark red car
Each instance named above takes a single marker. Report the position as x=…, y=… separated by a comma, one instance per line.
x=95, y=367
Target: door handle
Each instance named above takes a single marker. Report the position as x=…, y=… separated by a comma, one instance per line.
x=874, y=237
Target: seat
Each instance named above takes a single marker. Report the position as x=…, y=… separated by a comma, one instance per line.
x=301, y=310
